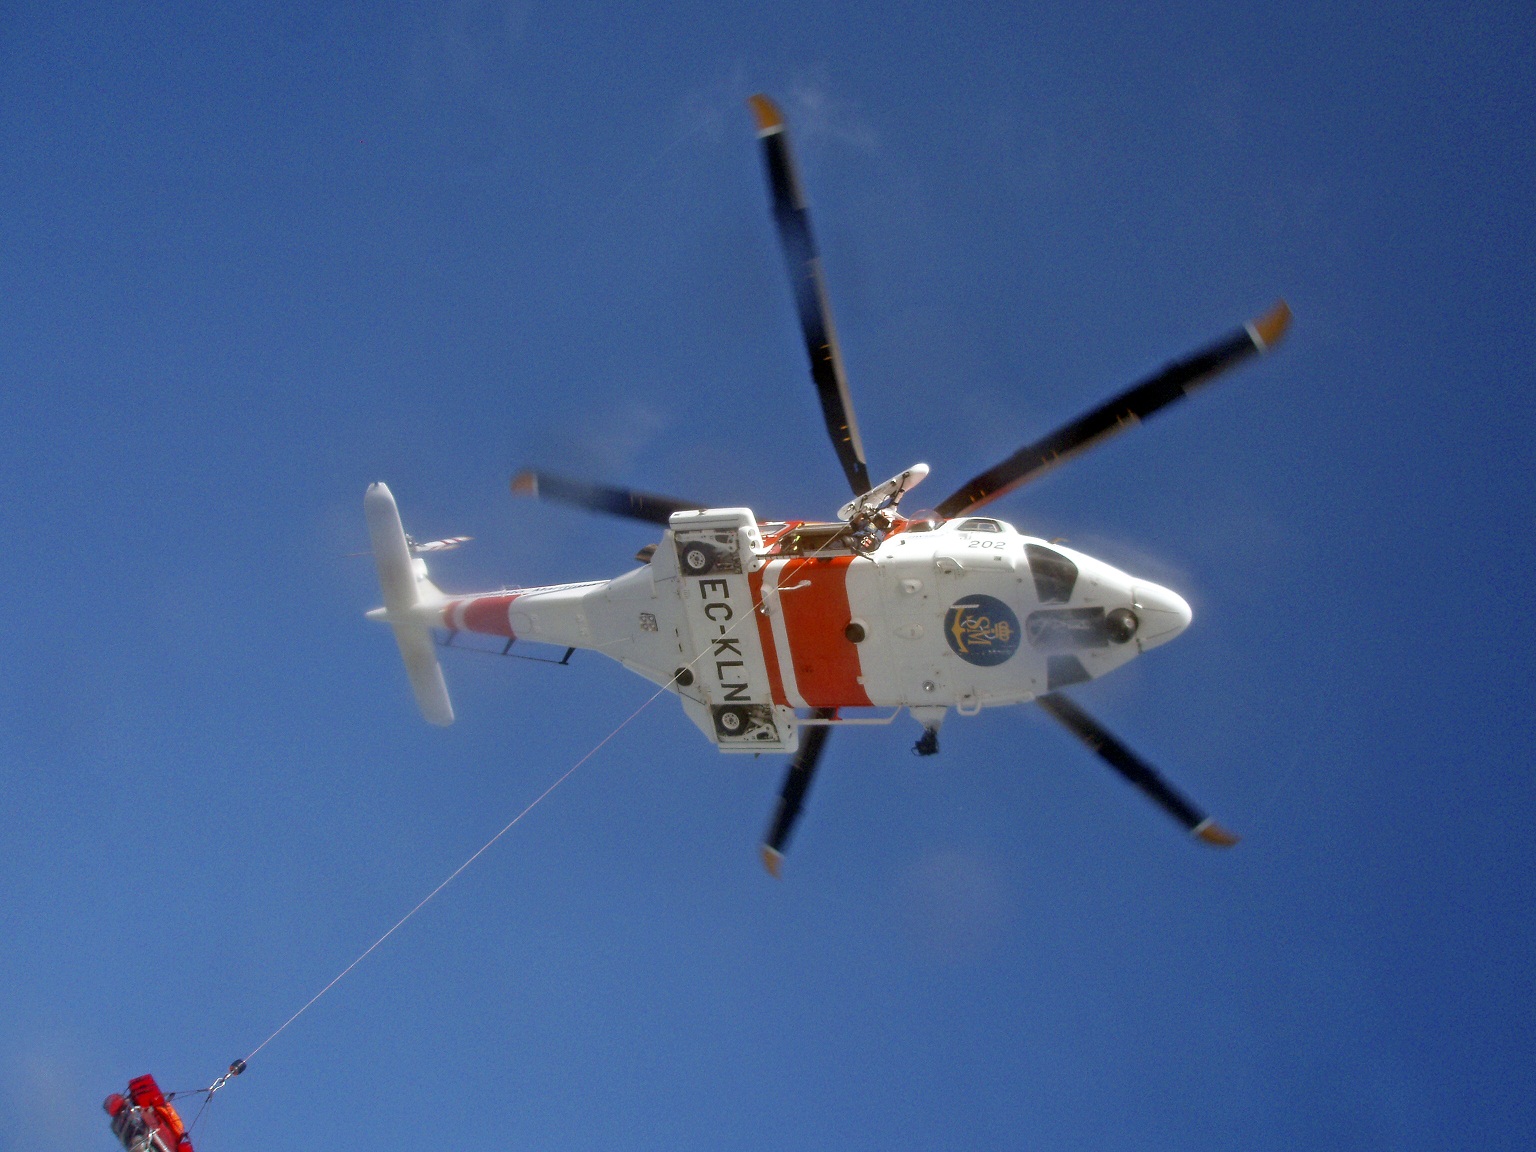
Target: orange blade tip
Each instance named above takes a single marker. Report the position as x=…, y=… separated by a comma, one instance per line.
x=1268, y=328
x=526, y=484
x=1214, y=834
x=772, y=860
x=769, y=118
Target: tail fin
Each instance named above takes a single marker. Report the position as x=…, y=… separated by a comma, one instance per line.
x=404, y=581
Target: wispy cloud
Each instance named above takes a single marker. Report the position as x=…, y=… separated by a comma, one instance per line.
x=50, y=1100
x=815, y=113
x=463, y=68
x=952, y=905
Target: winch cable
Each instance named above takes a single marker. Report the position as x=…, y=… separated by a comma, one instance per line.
x=454, y=875
x=239, y=1065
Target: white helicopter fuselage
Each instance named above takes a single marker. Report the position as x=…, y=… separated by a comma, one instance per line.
x=762, y=628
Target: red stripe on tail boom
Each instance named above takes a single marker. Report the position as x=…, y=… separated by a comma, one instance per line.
x=484, y=614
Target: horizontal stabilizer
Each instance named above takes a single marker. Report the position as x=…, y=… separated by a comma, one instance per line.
x=391, y=550
x=419, y=651
x=403, y=584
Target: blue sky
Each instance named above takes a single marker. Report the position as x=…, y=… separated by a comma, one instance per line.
x=253, y=258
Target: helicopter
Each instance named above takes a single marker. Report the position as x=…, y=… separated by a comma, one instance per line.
x=772, y=633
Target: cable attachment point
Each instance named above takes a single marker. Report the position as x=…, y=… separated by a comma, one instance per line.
x=234, y=1070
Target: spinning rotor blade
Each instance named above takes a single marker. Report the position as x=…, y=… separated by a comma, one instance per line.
x=417, y=547
x=796, y=784
x=805, y=277
x=600, y=498
x=1135, y=769
x=445, y=545
x=1172, y=383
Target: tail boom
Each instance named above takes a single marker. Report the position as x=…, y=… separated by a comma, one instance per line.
x=560, y=614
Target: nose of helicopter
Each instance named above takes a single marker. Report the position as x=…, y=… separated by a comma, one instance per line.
x=1163, y=612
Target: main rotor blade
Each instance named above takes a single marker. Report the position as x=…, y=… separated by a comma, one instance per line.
x=1135, y=769
x=1173, y=382
x=600, y=497
x=805, y=277
x=796, y=784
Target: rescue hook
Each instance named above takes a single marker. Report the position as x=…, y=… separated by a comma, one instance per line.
x=234, y=1070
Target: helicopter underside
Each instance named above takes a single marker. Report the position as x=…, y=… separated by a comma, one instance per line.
x=757, y=634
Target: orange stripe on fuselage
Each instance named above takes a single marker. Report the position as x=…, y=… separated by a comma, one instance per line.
x=765, y=636
x=826, y=662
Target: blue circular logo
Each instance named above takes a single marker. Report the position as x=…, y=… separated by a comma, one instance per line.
x=982, y=630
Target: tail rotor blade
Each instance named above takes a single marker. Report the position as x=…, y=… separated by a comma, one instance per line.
x=448, y=544
x=805, y=276
x=600, y=498
x=1172, y=383
x=1135, y=770
x=797, y=782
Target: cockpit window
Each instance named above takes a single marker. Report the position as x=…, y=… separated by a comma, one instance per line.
x=1054, y=575
x=980, y=526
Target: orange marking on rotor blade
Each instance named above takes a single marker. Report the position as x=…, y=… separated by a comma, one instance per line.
x=773, y=860
x=826, y=662
x=1272, y=325
x=1214, y=834
x=767, y=112
x=765, y=635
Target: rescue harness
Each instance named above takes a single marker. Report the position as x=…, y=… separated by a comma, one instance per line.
x=144, y=1120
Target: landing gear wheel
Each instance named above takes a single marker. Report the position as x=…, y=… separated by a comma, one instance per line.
x=698, y=558
x=927, y=744
x=730, y=722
